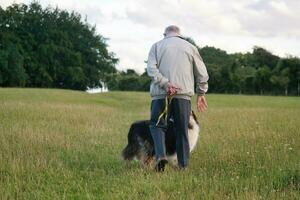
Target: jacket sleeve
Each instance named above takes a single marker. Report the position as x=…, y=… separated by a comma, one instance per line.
x=200, y=73
x=153, y=71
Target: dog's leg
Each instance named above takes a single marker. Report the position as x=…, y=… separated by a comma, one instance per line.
x=173, y=160
x=144, y=159
x=148, y=160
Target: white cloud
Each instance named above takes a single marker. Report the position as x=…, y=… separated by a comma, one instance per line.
x=5, y=3
x=281, y=7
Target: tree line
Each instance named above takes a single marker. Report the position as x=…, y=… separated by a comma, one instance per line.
x=53, y=48
x=258, y=72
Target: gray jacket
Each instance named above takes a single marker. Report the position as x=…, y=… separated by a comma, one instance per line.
x=175, y=60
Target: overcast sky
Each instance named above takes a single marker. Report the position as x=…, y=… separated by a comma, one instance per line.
x=132, y=26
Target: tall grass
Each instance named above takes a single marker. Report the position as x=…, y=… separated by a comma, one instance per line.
x=61, y=144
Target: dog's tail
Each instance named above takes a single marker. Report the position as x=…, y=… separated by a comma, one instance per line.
x=129, y=151
x=132, y=147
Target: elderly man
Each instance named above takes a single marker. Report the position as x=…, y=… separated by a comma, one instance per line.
x=175, y=66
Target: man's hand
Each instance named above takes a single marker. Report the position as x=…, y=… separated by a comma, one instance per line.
x=201, y=103
x=172, y=89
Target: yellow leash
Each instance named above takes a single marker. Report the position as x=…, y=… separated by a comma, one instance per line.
x=165, y=112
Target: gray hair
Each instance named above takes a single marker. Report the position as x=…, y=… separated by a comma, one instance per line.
x=172, y=29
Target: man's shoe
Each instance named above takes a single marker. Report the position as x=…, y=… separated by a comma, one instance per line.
x=160, y=165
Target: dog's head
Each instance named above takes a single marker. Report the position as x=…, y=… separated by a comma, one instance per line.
x=193, y=120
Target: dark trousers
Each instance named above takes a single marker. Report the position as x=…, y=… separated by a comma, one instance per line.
x=179, y=110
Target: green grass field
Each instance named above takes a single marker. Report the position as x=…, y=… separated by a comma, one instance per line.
x=62, y=144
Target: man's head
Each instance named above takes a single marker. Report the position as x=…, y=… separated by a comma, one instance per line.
x=172, y=30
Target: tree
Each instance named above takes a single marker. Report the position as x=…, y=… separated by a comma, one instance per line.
x=245, y=76
x=293, y=64
x=128, y=81
x=11, y=68
x=262, y=57
x=262, y=79
x=54, y=48
x=218, y=64
x=280, y=78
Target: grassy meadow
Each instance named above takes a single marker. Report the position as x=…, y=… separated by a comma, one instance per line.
x=63, y=144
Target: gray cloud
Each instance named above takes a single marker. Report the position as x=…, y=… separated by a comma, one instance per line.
x=272, y=18
x=260, y=18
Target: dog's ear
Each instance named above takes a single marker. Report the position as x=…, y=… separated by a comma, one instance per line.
x=194, y=116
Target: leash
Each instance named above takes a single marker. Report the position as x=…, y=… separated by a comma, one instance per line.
x=165, y=112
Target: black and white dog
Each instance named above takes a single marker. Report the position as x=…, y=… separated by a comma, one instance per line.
x=140, y=143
